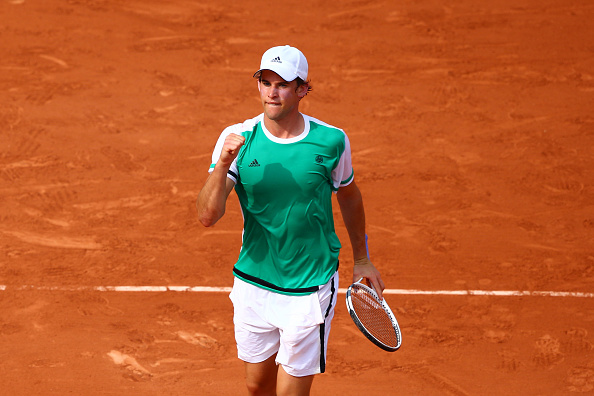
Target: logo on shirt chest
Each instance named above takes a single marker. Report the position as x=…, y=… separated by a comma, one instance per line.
x=319, y=159
x=254, y=163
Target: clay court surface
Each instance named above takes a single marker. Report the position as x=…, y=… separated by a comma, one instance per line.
x=473, y=140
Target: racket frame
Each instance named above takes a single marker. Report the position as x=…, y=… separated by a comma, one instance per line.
x=360, y=325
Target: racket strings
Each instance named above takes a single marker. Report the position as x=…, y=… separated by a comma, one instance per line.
x=373, y=317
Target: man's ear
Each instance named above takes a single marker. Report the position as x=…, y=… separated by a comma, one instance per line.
x=302, y=90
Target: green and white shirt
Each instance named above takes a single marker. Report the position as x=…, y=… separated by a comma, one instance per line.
x=285, y=190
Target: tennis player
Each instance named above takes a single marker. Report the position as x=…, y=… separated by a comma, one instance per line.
x=284, y=166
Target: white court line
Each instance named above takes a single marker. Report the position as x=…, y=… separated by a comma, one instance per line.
x=208, y=289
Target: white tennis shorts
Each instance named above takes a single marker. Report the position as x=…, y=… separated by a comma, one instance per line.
x=296, y=328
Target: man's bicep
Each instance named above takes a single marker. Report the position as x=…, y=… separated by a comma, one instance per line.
x=348, y=192
x=229, y=185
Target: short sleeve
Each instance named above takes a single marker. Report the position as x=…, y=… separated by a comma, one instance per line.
x=343, y=174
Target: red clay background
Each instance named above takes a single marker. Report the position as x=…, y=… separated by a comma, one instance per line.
x=472, y=131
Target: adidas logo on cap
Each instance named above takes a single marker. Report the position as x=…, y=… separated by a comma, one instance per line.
x=277, y=59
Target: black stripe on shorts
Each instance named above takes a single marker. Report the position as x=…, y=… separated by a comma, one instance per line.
x=323, y=329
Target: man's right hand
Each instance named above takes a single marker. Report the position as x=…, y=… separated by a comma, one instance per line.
x=231, y=148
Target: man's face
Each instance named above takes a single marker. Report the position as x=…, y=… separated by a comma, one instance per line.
x=279, y=97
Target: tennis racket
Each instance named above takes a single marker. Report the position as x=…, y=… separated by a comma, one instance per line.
x=373, y=316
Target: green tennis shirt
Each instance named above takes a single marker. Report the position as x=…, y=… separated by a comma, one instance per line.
x=285, y=190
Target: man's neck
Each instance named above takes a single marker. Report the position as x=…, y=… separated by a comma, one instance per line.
x=286, y=128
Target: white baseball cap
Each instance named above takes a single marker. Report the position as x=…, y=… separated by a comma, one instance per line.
x=286, y=61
